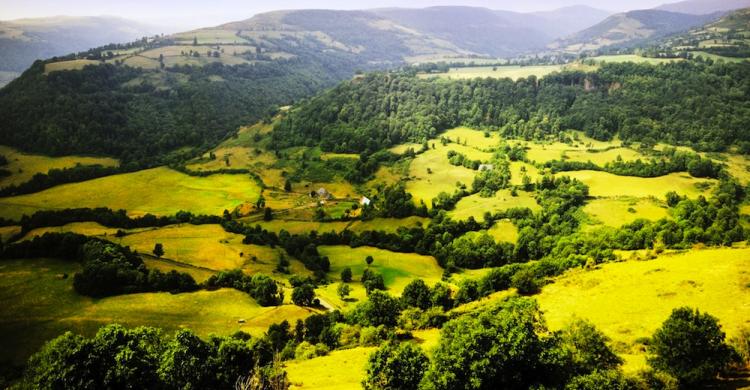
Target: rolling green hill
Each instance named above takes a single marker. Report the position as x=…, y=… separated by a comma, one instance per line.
x=727, y=38
x=630, y=29
x=24, y=41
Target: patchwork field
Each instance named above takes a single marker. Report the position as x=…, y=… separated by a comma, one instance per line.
x=24, y=166
x=514, y=72
x=583, y=152
x=504, y=231
x=40, y=304
x=325, y=373
x=398, y=269
x=603, y=184
x=475, y=205
x=632, y=58
x=209, y=246
x=616, y=212
x=159, y=191
x=629, y=300
x=431, y=173
x=86, y=228
x=474, y=138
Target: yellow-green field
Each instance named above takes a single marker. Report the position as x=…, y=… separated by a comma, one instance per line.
x=518, y=169
x=603, y=184
x=208, y=246
x=398, y=269
x=339, y=370
x=68, y=65
x=8, y=232
x=504, y=231
x=300, y=227
x=629, y=300
x=633, y=58
x=86, y=228
x=159, y=191
x=506, y=71
x=473, y=138
x=583, y=152
x=425, y=186
x=24, y=166
x=475, y=205
x=616, y=212
x=39, y=305
x=389, y=225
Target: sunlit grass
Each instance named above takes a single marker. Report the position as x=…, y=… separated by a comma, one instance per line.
x=630, y=300
x=159, y=191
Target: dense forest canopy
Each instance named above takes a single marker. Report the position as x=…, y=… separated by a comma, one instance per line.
x=142, y=115
x=693, y=103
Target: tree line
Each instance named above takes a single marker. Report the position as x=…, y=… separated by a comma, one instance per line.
x=685, y=103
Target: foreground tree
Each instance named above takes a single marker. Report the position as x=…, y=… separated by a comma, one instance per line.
x=158, y=250
x=303, y=295
x=690, y=346
x=417, y=294
x=498, y=348
x=395, y=367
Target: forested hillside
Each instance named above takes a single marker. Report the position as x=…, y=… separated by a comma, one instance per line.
x=630, y=29
x=691, y=103
x=26, y=40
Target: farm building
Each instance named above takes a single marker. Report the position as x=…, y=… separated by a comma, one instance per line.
x=365, y=201
x=322, y=193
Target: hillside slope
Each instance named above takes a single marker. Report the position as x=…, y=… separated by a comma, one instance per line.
x=702, y=7
x=631, y=28
x=725, y=39
x=143, y=100
x=23, y=41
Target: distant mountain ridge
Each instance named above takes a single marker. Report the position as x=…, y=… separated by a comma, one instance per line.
x=23, y=41
x=452, y=30
x=703, y=7
x=632, y=28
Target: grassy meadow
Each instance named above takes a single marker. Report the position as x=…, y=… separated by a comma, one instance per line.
x=39, y=304
x=603, y=184
x=616, y=212
x=24, y=166
x=630, y=300
x=159, y=191
x=431, y=173
x=325, y=373
x=398, y=269
x=514, y=72
x=475, y=205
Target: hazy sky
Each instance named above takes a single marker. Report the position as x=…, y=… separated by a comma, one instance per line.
x=209, y=12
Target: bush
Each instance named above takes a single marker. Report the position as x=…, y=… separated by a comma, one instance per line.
x=690, y=346
x=303, y=295
x=395, y=367
x=741, y=344
x=525, y=282
x=610, y=380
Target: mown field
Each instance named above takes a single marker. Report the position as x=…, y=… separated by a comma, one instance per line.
x=398, y=269
x=159, y=191
x=514, y=72
x=23, y=166
x=40, y=304
x=475, y=205
x=630, y=300
x=603, y=184
x=616, y=212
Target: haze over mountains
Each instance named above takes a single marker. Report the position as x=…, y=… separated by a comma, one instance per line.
x=23, y=41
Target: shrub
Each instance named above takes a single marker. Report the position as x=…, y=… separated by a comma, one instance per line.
x=395, y=367
x=690, y=346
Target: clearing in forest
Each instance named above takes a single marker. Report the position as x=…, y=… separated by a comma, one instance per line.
x=159, y=191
